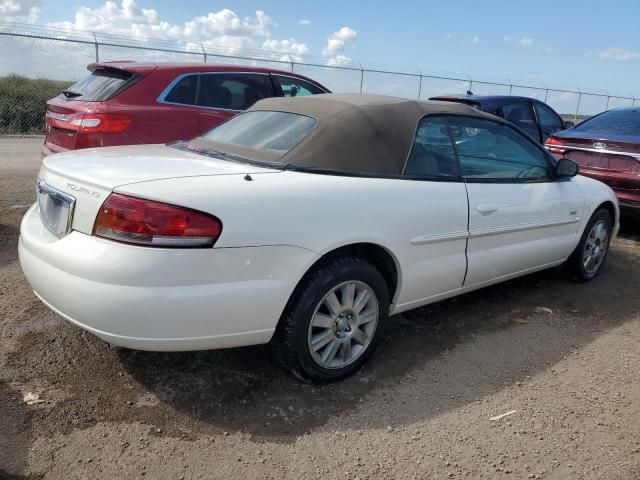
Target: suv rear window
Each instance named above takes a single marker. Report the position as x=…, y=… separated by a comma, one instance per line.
x=100, y=85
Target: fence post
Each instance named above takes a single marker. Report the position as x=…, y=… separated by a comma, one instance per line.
x=607, y=105
x=291, y=60
x=470, y=83
x=546, y=92
x=204, y=52
x=361, y=76
x=419, y=84
x=634, y=101
x=95, y=42
x=575, y=117
x=510, y=86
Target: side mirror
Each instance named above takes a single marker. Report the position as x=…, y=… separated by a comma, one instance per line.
x=566, y=168
x=567, y=124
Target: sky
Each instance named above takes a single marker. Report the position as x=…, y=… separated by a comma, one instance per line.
x=590, y=45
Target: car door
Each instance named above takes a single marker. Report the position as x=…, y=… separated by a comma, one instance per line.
x=221, y=95
x=548, y=120
x=521, y=114
x=520, y=217
x=434, y=226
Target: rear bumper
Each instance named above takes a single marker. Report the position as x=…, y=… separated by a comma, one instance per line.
x=628, y=198
x=629, y=209
x=161, y=299
x=48, y=148
x=629, y=204
x=626, y=201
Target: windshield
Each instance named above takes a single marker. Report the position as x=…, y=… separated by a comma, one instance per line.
x=273, y=132
x=615, y=121
x=98, y=86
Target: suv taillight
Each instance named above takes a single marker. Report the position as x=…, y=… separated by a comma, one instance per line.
x=145, y=222
x=554, y=146
x=91, y=122
x=103, y=122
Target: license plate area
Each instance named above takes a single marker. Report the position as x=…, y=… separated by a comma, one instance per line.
x=56, y=208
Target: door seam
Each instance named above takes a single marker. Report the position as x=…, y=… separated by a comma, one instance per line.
x=466, y=246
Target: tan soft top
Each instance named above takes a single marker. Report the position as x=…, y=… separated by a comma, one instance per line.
x=356, y=133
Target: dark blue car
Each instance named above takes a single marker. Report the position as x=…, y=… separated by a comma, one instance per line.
x=533, y=116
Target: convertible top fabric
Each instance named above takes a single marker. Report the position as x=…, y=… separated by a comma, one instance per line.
x=356, y=133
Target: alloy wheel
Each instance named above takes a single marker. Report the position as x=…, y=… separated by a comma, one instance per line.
x=595, y=247
x=343, y=325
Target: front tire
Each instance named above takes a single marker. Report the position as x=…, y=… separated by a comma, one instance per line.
x=587, y=259
x=334, y=321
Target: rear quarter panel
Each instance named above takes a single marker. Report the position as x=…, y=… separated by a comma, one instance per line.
x=596, y=193
x=323, y=212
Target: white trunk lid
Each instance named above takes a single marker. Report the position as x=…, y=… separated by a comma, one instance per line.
x=91, y=175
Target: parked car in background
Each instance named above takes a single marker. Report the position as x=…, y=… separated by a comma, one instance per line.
x=304, y=222
x=124, y=103
x=607, y=148
x=533, y=116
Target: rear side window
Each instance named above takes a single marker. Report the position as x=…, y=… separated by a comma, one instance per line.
x=432, y=153
x=294, y=87
x=100, y=85
x=521, y=114
x=626, y=122
x=232, y=91
x=548, y=117
x=490, y=150
x=184, y=92
x=276, y=132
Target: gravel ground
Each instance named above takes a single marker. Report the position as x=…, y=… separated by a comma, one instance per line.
x=563, y=357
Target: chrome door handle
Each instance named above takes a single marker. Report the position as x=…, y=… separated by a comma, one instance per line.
x=487, y=208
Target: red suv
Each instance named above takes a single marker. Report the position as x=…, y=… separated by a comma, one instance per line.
x=124, y=103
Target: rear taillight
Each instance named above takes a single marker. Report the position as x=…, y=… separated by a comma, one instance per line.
x=146, y=222
x=554, y=145
x=90, y=122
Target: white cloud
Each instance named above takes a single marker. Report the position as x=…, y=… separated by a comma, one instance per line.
x=336, y=42
x=463, y=40
x=221, y=30
x=20, y=10
x=529, y=42
x=523, y=42
x=289, y=49
x=620, y=54
x=304, y=23
x=339, y=60
x=227, y=22
x=526, y=42
x=345, y=34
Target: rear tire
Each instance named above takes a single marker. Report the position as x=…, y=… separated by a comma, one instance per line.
x=333, y=322
x=587, y=259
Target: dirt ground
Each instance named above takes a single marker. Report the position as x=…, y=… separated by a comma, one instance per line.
x=420, y=409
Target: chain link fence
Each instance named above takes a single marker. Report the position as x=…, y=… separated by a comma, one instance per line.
x=37, y=62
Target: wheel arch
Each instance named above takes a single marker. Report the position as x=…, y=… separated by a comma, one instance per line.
x=610, y=207
x=380, y=257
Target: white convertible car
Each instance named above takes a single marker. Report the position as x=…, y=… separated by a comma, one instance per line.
x=304, y=222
